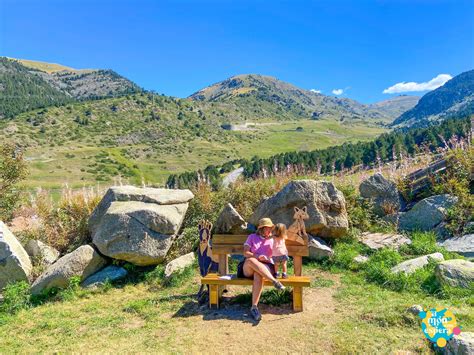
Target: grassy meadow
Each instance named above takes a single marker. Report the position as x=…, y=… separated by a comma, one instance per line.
x=78, y=164
x=343, y=314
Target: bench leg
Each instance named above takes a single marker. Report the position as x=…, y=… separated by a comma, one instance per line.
x=213, y=296
x=298, y=299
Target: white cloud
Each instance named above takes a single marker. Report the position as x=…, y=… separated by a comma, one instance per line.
x=316, y=91
x=434, y=83
x=337, y=91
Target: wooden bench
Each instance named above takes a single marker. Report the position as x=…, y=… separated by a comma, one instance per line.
x=223, y=245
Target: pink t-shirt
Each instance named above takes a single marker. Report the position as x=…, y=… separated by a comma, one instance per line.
x=260, y=245
x=279, y=247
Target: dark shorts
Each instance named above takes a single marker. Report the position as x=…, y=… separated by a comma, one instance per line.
x=240, y=269
x=280, y=258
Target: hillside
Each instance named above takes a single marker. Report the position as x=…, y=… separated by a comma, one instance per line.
x=396, y=106
x=151, y=136
x=29, y=84
x=276, y=97
x=455, y=98
x=21, y=90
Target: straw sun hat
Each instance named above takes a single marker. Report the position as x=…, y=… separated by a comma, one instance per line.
x=265, y=222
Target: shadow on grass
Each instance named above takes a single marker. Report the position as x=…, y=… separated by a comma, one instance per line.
x=236, y=308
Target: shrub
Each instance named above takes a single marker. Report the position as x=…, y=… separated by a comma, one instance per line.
x=423, y=243
x=65, y=223
x=16, y=296
x=13, y=169
x=187, y=242
x=361, y=213
x=457, y=181
x=157, y=277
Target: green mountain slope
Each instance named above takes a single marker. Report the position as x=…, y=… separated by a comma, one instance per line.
x=275, y=97
x=151, y=136
x=396, y=106
x=27, y=85
x=20, y=90
x=453, y=99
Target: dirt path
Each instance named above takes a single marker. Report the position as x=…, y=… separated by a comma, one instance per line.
x=231, y=328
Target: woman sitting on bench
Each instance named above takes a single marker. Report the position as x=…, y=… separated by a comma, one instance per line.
x=258, y=264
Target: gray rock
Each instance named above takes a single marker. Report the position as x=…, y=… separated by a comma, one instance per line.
x=393, y=218
x=326, y=207
x=410, y=266
x=82, y=262
x=109, y=273
x=461, y=344
x=377, y=241
x=469, y=228
x=383, y=193
x=230, y=221
x=427, y=213
x=415, y=309
x=462, y=245
x=360, y=259
x=441, y=231
x=15, y=264
x=456, y=273
x=179, y=264
x=319, y=249
x=139, y=230
x=45, y=253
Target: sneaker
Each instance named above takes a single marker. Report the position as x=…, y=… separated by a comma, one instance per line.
x=255, y=313
x=278, y=285
x=284, y=275
x=277, y=275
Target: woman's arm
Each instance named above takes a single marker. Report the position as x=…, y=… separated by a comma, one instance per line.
x=248, y=253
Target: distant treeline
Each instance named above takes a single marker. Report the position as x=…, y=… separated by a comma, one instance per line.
x=387, y=147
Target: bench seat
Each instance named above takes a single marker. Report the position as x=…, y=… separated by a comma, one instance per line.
x=296, y=282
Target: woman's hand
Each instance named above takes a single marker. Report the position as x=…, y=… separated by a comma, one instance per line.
x=262, y=258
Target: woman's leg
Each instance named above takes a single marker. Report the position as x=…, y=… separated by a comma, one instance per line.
x=253, y=266
x=257, y=288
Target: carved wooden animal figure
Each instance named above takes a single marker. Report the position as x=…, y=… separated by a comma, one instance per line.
x=297, y=230
x=206, y=262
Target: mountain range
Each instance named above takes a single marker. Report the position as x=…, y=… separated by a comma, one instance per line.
x=30, y=84
x=277, y=96
x=454, y=99
x=91, y=125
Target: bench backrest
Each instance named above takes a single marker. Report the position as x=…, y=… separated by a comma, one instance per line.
x=225, y=244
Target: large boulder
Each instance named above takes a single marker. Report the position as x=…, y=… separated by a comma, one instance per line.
x=319, y=249
x=377, y=241
x=455, y=272
x=427, y=213
x=179, y=264
x=383, y=193
x=230, y=221
x=410, y=266
x=82, y=262
x=109, y=273
x=462, y=245
x=138, y=224
x=38, y=250
x=461, y=344
x=15, y=264
x=326, y=207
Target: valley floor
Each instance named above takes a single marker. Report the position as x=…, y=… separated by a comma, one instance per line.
x=343, y=314
x=85, y=165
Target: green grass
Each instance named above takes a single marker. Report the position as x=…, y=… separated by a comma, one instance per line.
x=143, y=317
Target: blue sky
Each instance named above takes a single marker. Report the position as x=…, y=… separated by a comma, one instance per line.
x=177, y=47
